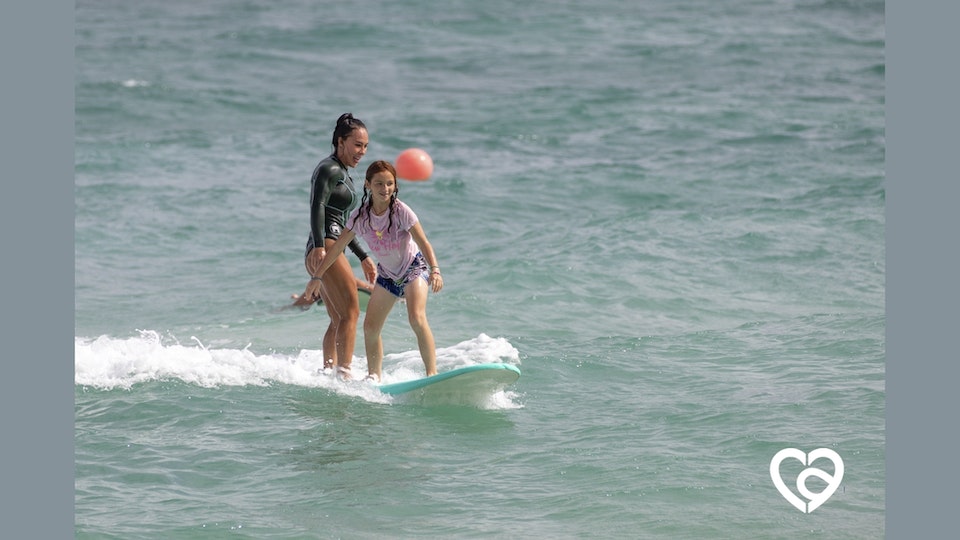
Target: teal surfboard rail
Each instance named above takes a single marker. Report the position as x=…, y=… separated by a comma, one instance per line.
x=503, y=371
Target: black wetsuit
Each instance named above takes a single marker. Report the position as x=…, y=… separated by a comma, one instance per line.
x=332, y=197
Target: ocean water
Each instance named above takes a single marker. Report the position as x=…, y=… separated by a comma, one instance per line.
x=668, y=214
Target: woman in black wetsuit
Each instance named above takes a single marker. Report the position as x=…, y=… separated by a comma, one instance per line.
x=332, y=197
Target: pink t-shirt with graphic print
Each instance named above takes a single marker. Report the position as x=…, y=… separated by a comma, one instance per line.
x=393, y=249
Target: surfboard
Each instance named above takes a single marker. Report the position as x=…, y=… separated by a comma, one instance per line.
x=465, y=385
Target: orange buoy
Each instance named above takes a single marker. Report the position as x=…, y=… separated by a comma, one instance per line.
x=414, y=164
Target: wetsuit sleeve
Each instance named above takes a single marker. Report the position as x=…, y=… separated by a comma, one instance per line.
x=321, y=187
x=354, y=244
x=324, y=181
x=357, y=250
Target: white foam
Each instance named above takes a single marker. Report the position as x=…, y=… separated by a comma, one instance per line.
x=108, y=363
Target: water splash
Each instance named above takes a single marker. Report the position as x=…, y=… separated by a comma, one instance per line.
x=107, y=363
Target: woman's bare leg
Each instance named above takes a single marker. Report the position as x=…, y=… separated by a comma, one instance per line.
x=330, y=336
x=339, y=285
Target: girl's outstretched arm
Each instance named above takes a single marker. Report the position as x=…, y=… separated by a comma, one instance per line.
x=420, y=237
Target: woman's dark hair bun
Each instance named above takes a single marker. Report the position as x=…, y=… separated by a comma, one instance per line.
x=345, y=126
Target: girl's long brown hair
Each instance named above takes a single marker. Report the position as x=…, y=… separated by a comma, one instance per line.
x=366, y=203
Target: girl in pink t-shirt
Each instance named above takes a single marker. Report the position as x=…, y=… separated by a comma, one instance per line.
x=406, y=264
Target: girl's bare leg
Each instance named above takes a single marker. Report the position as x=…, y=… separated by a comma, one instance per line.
x=416, y=296
x=379, y=306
